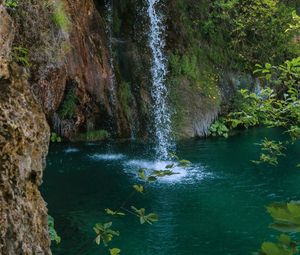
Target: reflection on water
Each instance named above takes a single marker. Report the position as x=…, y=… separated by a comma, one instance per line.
x=215, y=206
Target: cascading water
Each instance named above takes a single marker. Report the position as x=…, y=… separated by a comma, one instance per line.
x=109, y=23
x=161, y=111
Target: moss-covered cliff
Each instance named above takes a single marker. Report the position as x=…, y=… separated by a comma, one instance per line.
x=24, y=139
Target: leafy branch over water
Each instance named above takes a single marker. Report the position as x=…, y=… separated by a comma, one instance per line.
x=276, y=105
x=104, y=232
x=286, y=218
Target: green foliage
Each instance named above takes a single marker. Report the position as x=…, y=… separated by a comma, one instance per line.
x=145, y=218
x=67, y=110
x=104, y=233
x=55, y=138
x=21, y=56
x=114, y=251
x=284, y=246
x=145, y=177
x=11, y=3
x=60, y=17
x=52, y=232
x=277, y=105
x=93, y=136
x=272, y=150
x=286, y=218
x=258, y=30
x=113, y=213
x=138, y=188
x=218, y=128
x=295, y=25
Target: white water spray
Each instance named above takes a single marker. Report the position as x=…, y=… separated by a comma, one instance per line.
x=109, y=5
x=161, y=112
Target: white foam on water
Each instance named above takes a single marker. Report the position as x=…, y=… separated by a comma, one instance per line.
x=107, y=157
x=182, y=174
x=71, y=150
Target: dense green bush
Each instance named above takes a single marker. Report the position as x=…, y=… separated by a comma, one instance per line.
x=254, y=31
x=275, y=106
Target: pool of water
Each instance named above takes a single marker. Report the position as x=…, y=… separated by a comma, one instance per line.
x=215, y=206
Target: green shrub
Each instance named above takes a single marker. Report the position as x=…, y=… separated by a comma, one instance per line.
x=218, y=128
x=55, y=138
x=253, y=30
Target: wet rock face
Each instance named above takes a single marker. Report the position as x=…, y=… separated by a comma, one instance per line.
x=86, y=64
x=24, y=136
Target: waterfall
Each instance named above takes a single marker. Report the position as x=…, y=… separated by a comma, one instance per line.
x=159, y=92
x=109, y=24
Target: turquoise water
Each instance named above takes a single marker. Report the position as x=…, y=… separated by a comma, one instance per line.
x=216, y=206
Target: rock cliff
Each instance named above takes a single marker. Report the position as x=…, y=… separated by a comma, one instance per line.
x=24, y=138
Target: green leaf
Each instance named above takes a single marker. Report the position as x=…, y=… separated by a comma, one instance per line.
x=98, y=240
x=272, y=249
x=184, y=162
x=114, y=251
x=142, y=174
x=111, y=212
x=139, y=188
x=285, y=239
